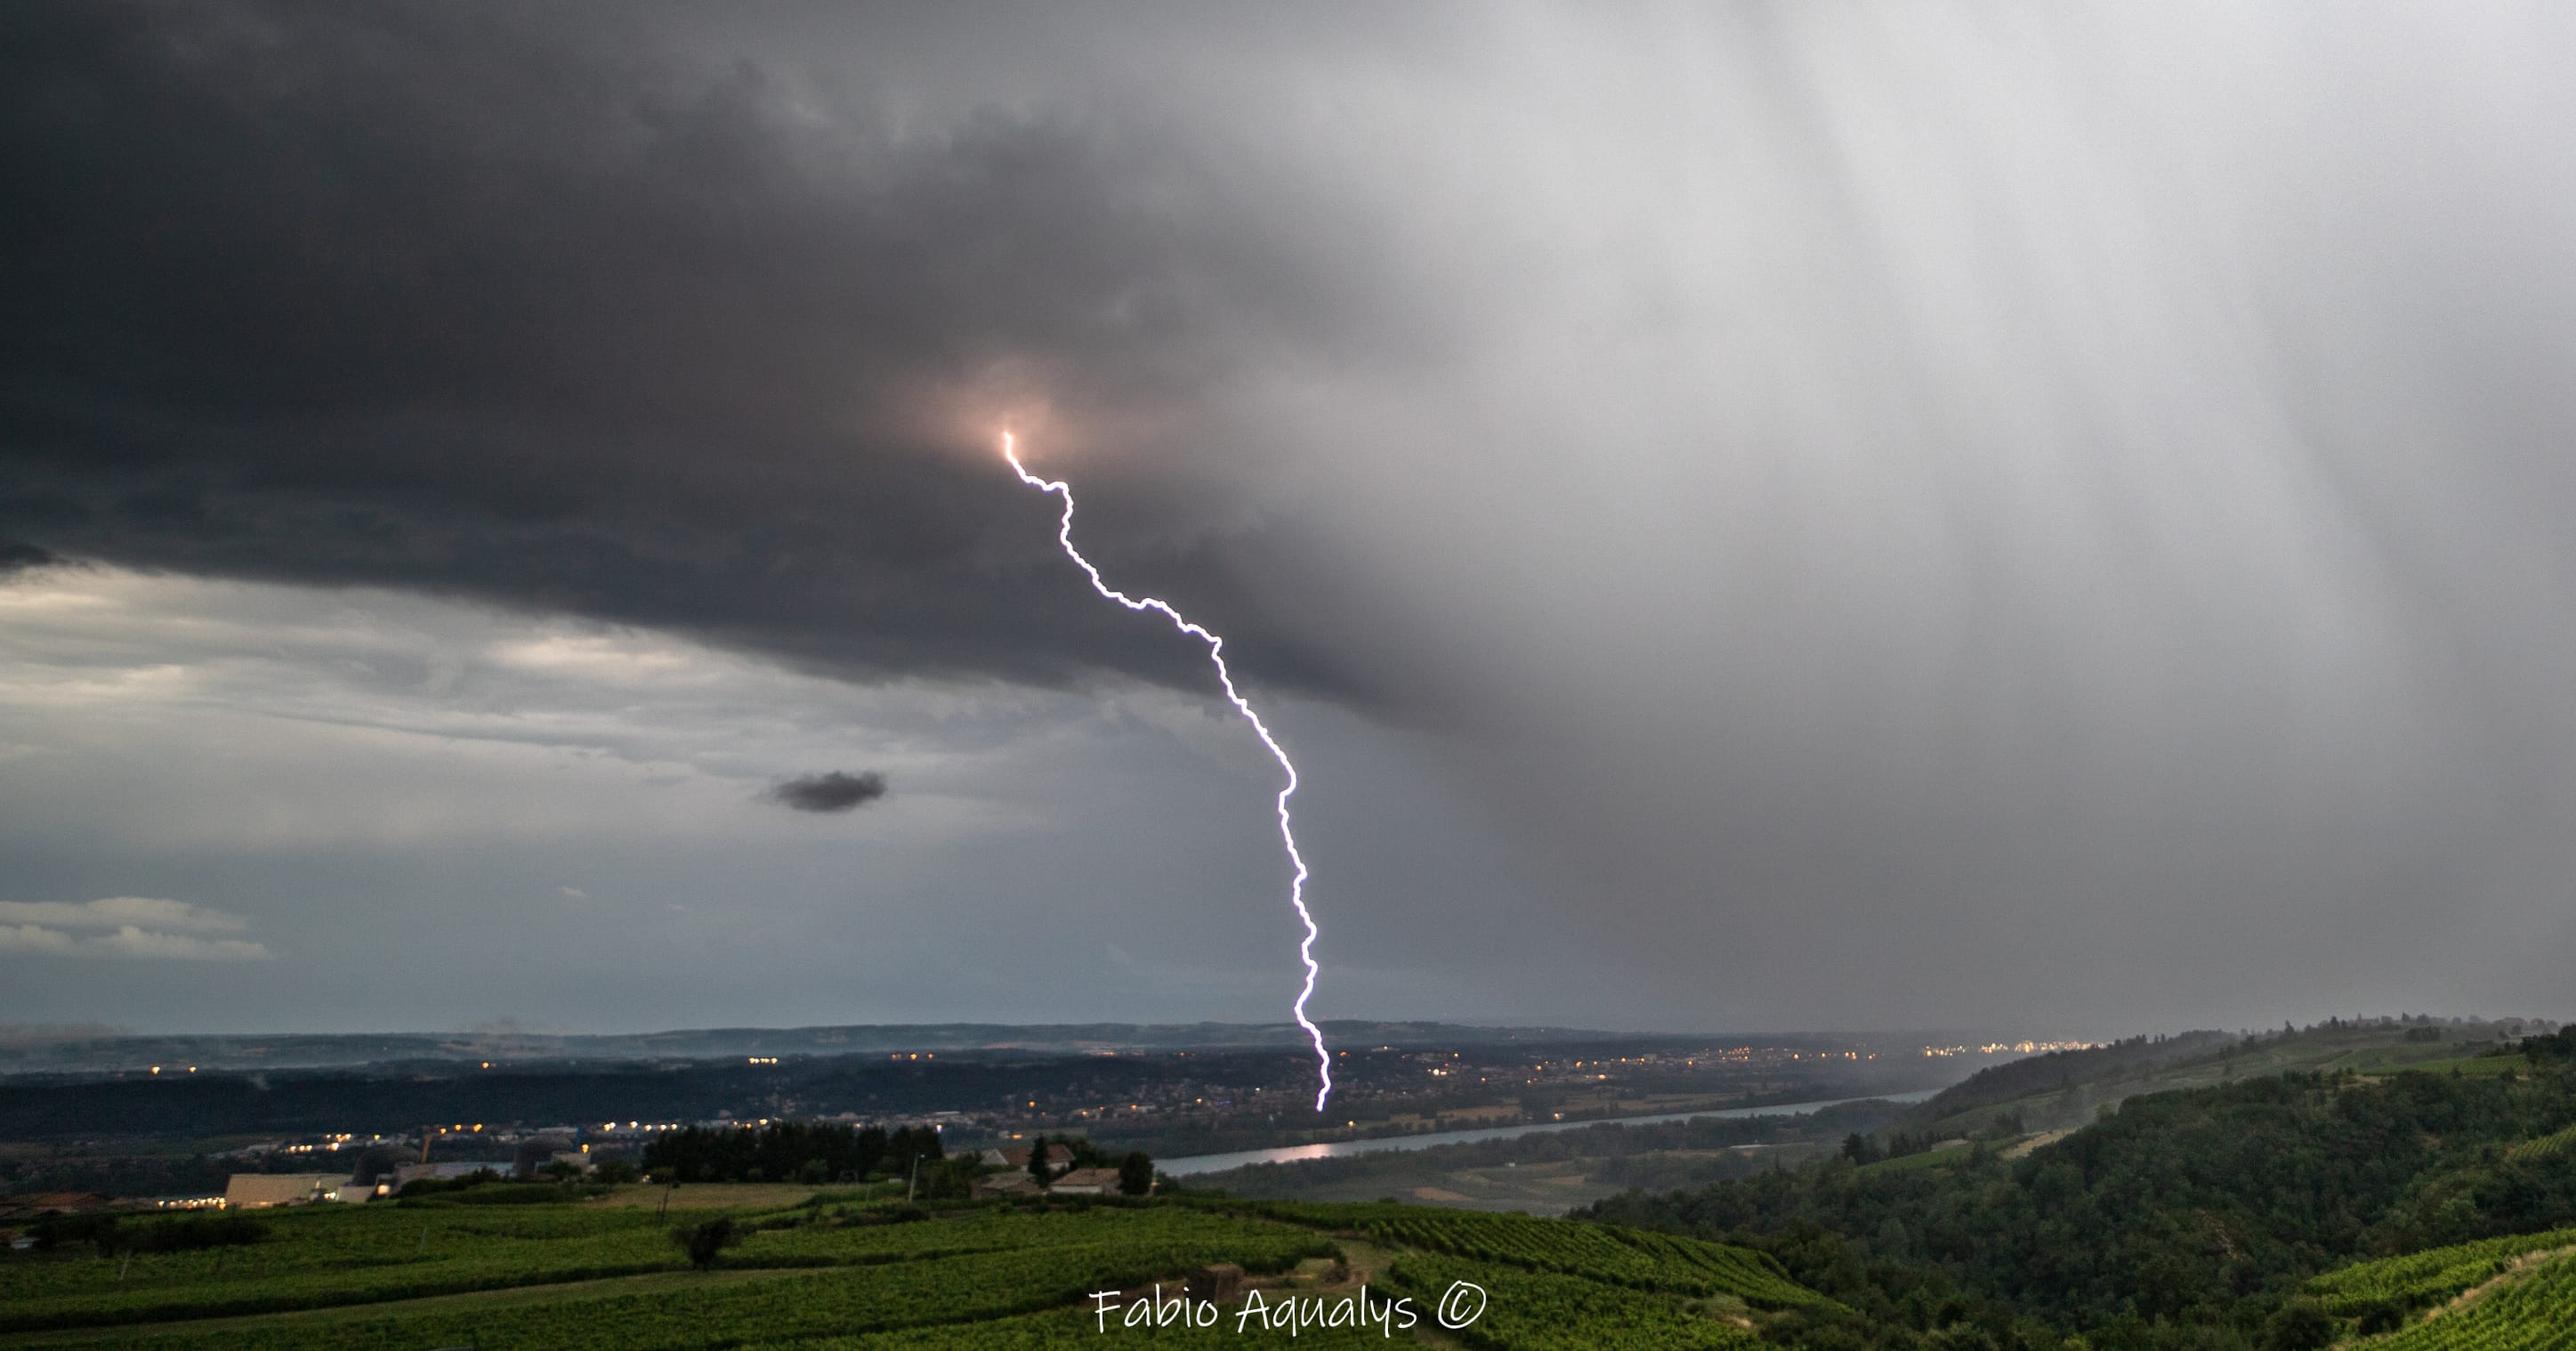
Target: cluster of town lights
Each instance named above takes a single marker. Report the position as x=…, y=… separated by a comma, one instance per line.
x=2020, y=1047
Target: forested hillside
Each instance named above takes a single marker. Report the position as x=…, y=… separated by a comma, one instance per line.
x=2178, y=1217
x=2065, y=1089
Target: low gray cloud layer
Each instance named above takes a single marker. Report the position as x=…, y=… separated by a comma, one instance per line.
x=1898, y=513
x=134, y=927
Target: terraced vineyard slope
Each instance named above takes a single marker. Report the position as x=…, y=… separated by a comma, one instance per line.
x=2531, y=1307
x=577, y=1274
x=2422, y=1280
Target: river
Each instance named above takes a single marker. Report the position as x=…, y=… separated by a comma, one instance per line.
x=1196, y=1164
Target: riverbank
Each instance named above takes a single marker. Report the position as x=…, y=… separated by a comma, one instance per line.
x=1198, y=1165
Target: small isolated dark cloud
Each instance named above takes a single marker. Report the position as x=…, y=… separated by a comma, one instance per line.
x=832, y=792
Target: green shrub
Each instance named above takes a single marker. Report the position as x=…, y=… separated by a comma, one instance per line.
x=217, y=1231
x=703, y=1242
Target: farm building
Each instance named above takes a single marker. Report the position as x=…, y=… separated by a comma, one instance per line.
x=1006, y=1184
x=1058, y=1156
x=1086, y=1182
x=251, y=1191
x=412, y=1172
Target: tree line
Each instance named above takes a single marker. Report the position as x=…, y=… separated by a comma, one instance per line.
x=819, y=1153
x=790, y=1151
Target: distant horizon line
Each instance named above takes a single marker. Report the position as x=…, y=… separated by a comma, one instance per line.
x=23, y=1034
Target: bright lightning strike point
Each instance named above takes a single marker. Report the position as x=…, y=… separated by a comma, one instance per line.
x=1224, y=677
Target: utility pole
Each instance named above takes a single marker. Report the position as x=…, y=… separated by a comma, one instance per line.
x=911, y=1181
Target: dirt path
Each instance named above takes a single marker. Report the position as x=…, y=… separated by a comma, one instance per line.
x=2025, y=1147
x=2518, y=1268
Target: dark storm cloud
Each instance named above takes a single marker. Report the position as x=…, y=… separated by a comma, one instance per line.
x=832, y=791
x=1903, y=512
x=521, y=305
x=14, y=557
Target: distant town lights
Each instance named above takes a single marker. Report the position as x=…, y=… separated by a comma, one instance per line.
x=2003, y=1047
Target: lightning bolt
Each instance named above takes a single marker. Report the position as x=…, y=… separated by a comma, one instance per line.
x=1224, y=677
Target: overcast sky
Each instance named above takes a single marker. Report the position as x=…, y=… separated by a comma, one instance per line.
x=2049, y=518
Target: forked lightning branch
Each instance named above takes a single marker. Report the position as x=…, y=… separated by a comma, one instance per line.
x=1225, y=678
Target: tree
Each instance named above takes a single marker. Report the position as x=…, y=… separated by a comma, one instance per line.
x=374, y=1166
x=1136, y=1174
x=703, y=1241
x=55, y=1231
x=2559, y=1046
x=784, y=1150
x=1038, y=1161
x=532, y=1156
x=950, y=1179
x=2301, y=1325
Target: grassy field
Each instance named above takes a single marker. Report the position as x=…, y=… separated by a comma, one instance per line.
x=830, y=1271
x=1930, y=1158
x=738, y=1195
